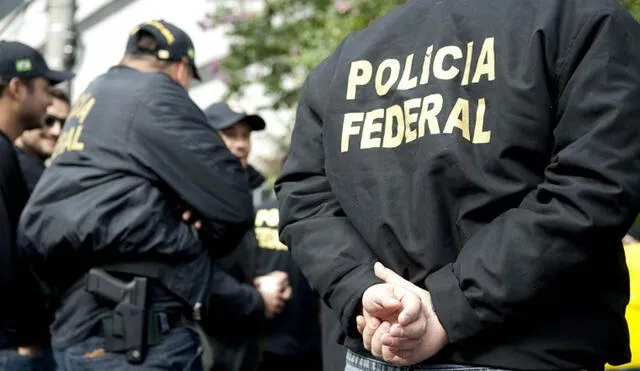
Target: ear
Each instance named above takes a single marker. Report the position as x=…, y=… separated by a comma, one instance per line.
x=176, y=71
x=16, y=88
x=172, y=70
x=184, y=70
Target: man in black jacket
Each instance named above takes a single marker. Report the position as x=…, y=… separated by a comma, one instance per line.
x=239, y=309
x=292, y=337
x=486, y=153
x=24, y=82
x=135, y=152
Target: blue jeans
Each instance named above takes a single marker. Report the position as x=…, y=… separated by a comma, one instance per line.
x=356, y=362
x=10, y=360
x=179, y=350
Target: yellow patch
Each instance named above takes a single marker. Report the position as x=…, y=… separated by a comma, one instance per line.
x=95, y=353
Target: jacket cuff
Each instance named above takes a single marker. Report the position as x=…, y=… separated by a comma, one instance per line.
x=451, y=306
x=258, y=307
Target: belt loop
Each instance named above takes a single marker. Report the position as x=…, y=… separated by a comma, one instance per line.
x=163, y=322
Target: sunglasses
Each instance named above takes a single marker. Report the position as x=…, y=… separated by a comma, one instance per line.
x=51, y=120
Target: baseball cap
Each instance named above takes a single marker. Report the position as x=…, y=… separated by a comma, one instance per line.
x=20, y=60
x=173, y=43
x=221, y=116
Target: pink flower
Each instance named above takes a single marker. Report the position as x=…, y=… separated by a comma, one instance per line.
x=214, y=66
x=224, y=78
x=342, y=6
x=227, y=19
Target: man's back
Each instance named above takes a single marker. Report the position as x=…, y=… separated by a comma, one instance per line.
x=123, y=168
x=464, y=142
x=102, y=203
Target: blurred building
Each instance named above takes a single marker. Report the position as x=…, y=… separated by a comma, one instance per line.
x=103, y=27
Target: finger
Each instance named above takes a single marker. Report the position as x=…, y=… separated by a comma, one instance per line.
x=381, y=300
x=400, y=344
x=283, y=284
x=414, y=330
x=404, y=358
x=411, y=307
x=361, y=323
x=286, y=295
x=376, y=340
x=389, y=276
x=387, y=353
x=280, y=274
x=372, y=324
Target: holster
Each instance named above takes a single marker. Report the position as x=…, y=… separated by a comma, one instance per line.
x=126, y=329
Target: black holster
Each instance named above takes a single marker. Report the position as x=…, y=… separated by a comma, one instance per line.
x=126, y=329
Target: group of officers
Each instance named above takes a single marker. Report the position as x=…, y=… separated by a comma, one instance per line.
x=138, y=242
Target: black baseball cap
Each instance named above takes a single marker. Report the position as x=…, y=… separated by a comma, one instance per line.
x=221, y=116
x=173, y=43
x=23, y=61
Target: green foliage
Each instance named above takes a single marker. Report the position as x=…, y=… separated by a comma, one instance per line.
x=278, y=46
x=632, y=6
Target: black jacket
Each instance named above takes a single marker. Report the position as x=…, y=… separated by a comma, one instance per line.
x=135, y=151
x=32, y=168
x=236, y=309
x=23, y=316
x=487, y=151
x=295, y=332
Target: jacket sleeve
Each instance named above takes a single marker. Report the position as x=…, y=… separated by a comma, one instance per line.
x=230, y=299
x=6, y=246
x=323, y=242
x=587, y=200
x=173, y=140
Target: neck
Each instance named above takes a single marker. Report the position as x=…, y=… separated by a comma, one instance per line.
x=141, y=65
x=9, y=125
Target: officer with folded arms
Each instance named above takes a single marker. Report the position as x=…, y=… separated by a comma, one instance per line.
x=104, y=227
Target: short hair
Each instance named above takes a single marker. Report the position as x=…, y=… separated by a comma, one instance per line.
x=28, y=81
x=147, y=44
x=60, y=94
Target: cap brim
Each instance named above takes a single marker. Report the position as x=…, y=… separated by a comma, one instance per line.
x=194, y=69
x=56, y=77
x=256, y=123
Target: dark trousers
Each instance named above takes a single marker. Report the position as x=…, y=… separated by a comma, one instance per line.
x=276, y=362
x=179, y=350
x=10, y=360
